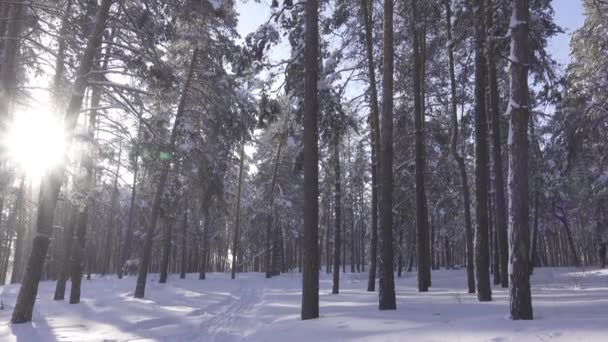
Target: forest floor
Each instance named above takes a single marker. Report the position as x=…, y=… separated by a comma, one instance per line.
x=569, y=305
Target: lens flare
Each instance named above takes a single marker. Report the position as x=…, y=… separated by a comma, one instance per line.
x=34, y=142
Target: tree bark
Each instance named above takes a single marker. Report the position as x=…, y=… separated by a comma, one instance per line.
x=458, y=157
x=167, y=237
x=68, y=239
x=51, y=184
x=337, y=215
x=375, y=142
x=387, y=283
x=422, y=224
x=482, y=258
x=310, y=275
x=126, y=250
x=270, y=242
x=237, y=213
x=500, y=214
x=519, y=220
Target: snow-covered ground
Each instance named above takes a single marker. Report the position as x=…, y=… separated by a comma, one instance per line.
x=569, y=305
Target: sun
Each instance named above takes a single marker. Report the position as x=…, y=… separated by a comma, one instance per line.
x=34, y=142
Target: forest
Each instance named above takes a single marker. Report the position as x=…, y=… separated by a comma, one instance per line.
x=370, y=170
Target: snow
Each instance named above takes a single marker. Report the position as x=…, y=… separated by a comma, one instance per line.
x=569, y=305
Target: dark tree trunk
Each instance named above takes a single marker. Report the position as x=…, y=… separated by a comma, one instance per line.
x=422, y=223
x=184, y=252
x=51, y=184
x=337, y=216
x=167, y=237
x=375, y=142
x=519, y=219
x=68, y=238
x=500, y=212
x=126, y=250
x=482, y=258
x=142, y=273
x=387, y=283
x=270, y=237
x=310, y=276
x=14, y=220
x=458, y=157
x=10, y=52
x=237, y=214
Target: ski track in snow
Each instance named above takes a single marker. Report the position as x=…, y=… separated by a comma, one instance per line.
x=569, y=305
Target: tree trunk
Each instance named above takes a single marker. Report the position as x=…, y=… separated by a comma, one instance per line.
x=482, y=258
x=500, y=216
x=142, y=273
x=337, y=215
x=68, y=239
x=51, y=184
x=519, y=220
x=270, y=218
x=237, y=213
x=15, y=217
x=10, y=52
x=422, y=224
x=387, y=283
x=310, y=276
x=458, y=157
x=375, y=141
x=167, y=237
x=126, y=250
x=112, y=220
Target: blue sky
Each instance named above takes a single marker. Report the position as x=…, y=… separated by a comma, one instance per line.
x=568, y=14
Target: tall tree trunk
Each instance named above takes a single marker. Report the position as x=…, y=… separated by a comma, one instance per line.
x=51, y=184
x=142, y=273
x=310, y=275
x=519, y=219
x=563, y=218
x=387, y=283
x=375, y=141
x=500, y=216
x=10, y=52
x=337, y=215
x=422, y=224
x=270, y=239
x=458, y=157
x=112, y=224
x=126, y=250
x=482, y=257
x=237, y=213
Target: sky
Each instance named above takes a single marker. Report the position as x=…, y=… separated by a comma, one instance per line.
x=568, y=14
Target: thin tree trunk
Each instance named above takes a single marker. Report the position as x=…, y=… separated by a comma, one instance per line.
x=458, y=157
x=68, y=239
x=337, y=215
x=270, y=218
x=237, y=213
x=167, y=237
x=51, y=184
x=519, y=221
x=375, y=142
x=142, y=274
x=126, y=250
x=482, y=258
x=500, y=216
